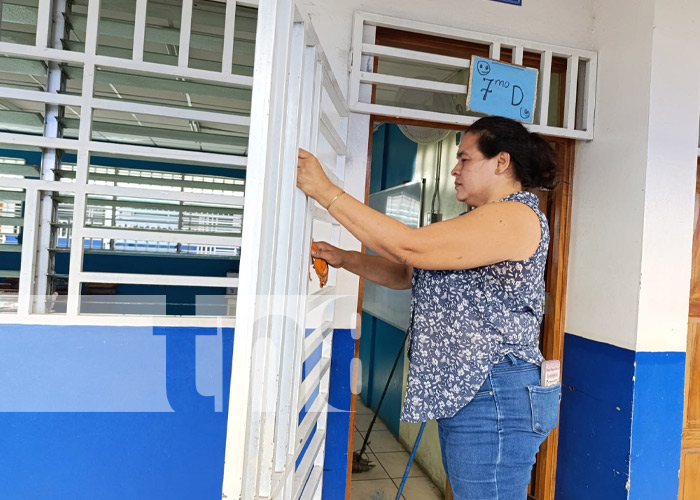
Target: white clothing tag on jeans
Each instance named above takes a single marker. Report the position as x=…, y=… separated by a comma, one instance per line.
x=549, y=373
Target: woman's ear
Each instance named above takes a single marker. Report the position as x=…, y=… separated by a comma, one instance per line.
x=503, y=163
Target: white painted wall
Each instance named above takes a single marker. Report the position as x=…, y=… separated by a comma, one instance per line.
x=671, y=174
x=608, y=193
x=633, y=194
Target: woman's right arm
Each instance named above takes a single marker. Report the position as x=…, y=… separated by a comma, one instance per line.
x=374, y=268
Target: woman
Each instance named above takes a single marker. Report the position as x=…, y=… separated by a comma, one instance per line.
x=477, y=300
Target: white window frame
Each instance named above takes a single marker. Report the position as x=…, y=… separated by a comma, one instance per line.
x=34, y=264
x=362, y=76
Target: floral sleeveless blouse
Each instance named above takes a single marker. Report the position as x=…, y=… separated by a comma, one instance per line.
x=464, y=322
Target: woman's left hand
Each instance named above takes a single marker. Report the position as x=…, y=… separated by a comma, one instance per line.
x=311, y=178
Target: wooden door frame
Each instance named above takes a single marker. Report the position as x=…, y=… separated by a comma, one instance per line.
x=556, y=285
x=690, y=438
x=559, y=210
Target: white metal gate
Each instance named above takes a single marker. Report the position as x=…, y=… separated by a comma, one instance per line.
x=275, y=441
x=43, y=40
x=281, y=318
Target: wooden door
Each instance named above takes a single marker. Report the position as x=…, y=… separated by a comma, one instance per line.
x=689, y=488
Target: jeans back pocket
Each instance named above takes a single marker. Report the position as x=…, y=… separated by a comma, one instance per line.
x=544, y=403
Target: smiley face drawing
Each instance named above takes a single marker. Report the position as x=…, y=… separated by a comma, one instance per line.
x=483, y=68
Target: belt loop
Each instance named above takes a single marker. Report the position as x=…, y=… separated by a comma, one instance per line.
x=512, y=358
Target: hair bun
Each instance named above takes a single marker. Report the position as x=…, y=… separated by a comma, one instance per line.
x=532, y=156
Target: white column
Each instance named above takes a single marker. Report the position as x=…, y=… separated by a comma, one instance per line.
x=229, y=33
x=49, y=160
x=674, y=114
x=634, y=184
x=139, y=29
x=247, y=378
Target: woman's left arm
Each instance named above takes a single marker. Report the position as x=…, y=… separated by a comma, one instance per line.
x=492, y=233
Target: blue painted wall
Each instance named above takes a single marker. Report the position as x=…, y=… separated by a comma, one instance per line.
x=34, y=158
x=10, y=261
x=113, y=412
x=138, y=263
x=393, y=158
x=595, y=420
x=621, y=420
x=385, y=343
x=657, y=425
x=180, y=300
x=335, y=466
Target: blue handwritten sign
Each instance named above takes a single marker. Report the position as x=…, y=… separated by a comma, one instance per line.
x=513, y=2
x=497, y=88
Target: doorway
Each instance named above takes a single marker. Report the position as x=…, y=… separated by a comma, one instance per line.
x=556, y=205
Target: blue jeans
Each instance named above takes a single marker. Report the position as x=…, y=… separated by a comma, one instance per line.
x=489, y=446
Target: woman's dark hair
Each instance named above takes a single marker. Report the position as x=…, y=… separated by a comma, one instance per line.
x=532, y=157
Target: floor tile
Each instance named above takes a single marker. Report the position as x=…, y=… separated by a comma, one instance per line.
x=380, y=441
x=376, y=472
x=362, y=423
x=358, y=438
x=394, y=463
x=383, y=489
x=361, y=409
x=419, y=488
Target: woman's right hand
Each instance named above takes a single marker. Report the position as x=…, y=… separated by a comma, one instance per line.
x=333, y=255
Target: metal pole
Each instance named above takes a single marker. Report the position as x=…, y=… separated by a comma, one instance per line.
x=410, y=461
x=381, y=400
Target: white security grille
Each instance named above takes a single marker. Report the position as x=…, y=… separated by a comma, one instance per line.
x=150, y=80
x=391, y=72
x=288, y=318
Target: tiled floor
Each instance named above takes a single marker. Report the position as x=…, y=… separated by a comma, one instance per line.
x=390, y=459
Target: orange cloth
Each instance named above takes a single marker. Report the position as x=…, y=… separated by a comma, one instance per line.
x=321, y=267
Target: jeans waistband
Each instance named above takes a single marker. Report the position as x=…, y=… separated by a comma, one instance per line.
x=512, y=362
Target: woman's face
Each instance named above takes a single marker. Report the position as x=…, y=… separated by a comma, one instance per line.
x=473, y=173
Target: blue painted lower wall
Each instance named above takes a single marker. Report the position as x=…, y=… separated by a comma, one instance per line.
x=595, y=420
x=176, y=300
x=116, y=413
x=179, y=300
x=620, y=423
x=140, y=412
x=657, y=424
x=379, y=346
x=132, y=413
x=335, y=467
